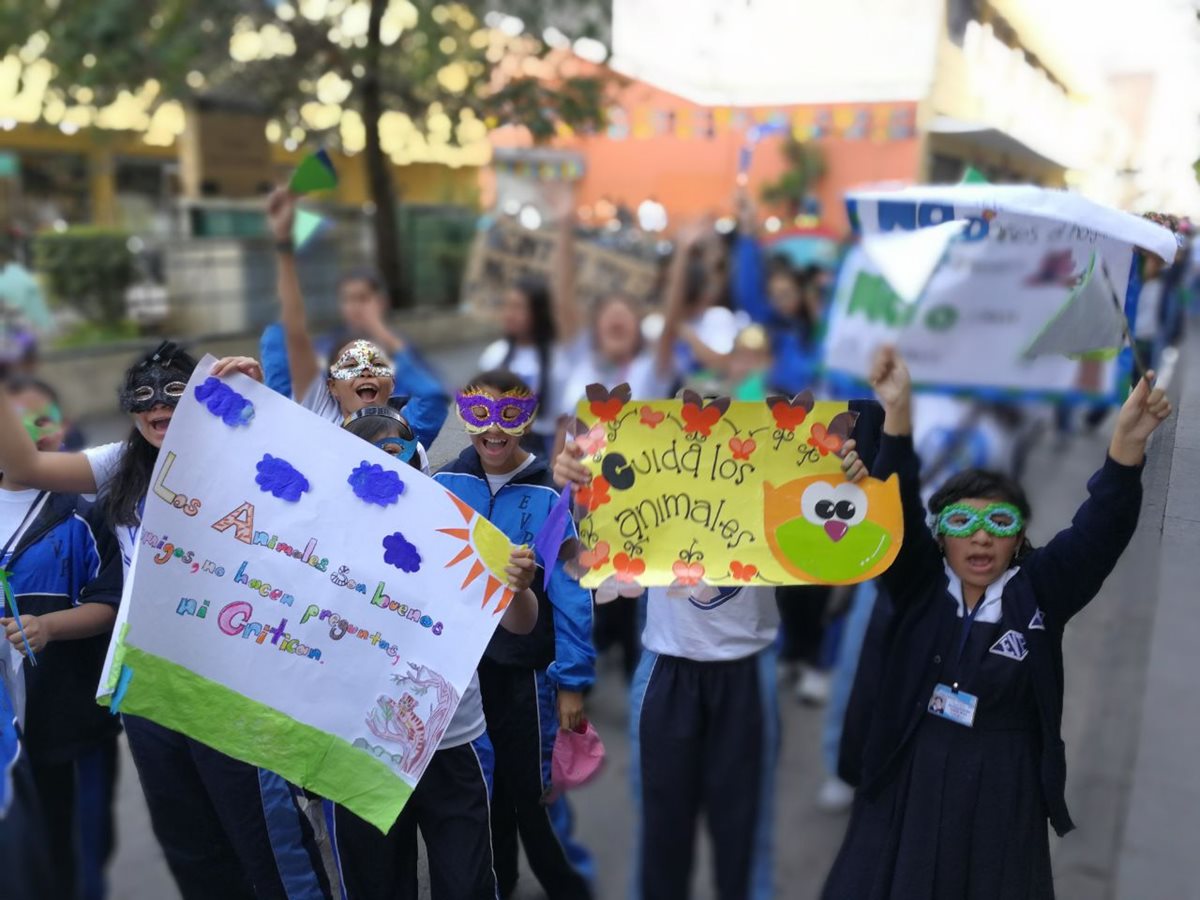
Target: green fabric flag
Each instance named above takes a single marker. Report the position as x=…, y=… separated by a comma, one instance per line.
x=315, y=173
x=973, y=176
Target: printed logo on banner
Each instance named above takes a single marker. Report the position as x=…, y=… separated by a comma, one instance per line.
x=1012, y=645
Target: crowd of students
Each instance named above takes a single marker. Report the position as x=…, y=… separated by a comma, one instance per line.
x=945, y=739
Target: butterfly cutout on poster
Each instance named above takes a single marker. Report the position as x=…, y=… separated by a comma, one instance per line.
x=699, y=415
x=606, y=405
x=591, y=440
x=790, y=414
x=831, y=438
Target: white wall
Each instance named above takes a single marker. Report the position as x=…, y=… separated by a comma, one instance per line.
x=766, y=52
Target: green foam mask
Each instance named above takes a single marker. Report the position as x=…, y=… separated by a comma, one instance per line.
x=997, y=519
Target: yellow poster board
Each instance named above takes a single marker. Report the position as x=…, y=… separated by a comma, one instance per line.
x=693, y=493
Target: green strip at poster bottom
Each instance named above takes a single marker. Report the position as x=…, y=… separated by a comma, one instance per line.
x=253, y=732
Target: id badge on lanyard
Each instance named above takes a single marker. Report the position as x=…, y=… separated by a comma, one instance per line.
x=948, y=702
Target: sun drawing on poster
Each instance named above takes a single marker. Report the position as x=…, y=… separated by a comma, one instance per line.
x=487, y=551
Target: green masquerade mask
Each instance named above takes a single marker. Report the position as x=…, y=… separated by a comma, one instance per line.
x=997, y=519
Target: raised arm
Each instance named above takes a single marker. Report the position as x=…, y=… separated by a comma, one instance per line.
x=428, y=403
x=686, y=241
x=709, y=358
x=1069, y=571
x=302, y=356
x=919, y=558
x=22, y=462
x=568, y=319
x=749, y=283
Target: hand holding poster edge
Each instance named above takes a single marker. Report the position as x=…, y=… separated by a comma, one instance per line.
x=669, y=461
x=166, y=691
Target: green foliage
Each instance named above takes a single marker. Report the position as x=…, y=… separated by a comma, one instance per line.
x=806, y=168
x=87, y=269
x=89, y=334
x=112, y=45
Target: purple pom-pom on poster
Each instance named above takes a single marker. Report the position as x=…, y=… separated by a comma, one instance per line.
x=224, y=402
x=280, y=478
x=398, y=551
x=375, y=484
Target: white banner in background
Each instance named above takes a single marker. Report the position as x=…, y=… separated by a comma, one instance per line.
x=999, y=285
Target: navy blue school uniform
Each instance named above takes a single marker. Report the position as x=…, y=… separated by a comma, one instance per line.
x=450, y=806
x=227, y=829
x=950, y=811
x=520, y=676
x=704, y=736
x=60, y=555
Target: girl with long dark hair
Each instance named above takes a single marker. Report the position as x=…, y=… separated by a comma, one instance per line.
x=528, y=349
x=227, y=829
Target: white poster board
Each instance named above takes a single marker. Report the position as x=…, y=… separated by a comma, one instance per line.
x=301, y=600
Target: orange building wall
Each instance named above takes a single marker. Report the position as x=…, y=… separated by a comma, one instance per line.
x=692, y=175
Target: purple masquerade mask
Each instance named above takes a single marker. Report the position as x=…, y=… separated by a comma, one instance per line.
x=510, y=412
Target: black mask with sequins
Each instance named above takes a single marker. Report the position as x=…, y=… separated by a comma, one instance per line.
x=159, y=380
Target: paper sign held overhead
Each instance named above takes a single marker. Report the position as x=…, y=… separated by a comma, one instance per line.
x=279, y=611
x=694, y=494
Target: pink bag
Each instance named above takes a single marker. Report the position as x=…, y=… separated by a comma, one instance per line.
x=578, y=758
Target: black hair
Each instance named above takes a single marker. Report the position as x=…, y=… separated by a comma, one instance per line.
x=123, y=495
x=375, y=428
x=781, y=267
x=983, y=484
x=14, y=384
x=499, y=380
x=543, y=332
x=368, y=276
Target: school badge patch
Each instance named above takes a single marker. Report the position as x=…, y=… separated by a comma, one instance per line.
x=1036, y=623
x=1012, y=645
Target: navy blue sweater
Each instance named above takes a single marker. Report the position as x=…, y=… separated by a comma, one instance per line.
x=561, y=641
x=1057, y=580
x=68, y=556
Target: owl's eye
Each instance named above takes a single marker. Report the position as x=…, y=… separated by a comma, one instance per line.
x=849, y=503
x=822, y=501
x=817, y=502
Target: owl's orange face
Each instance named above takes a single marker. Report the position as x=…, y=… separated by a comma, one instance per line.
x=825, y=530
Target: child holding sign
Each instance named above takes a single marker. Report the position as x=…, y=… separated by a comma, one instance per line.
x=704, y=728
x=361, y=372
x=532, y=685
x=451, y=803
x=227, y=829
x=63, y=572
x=964, y=762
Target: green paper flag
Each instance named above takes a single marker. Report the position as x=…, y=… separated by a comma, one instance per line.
x=315, y=173
x=973, y=176
x=306, y=225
